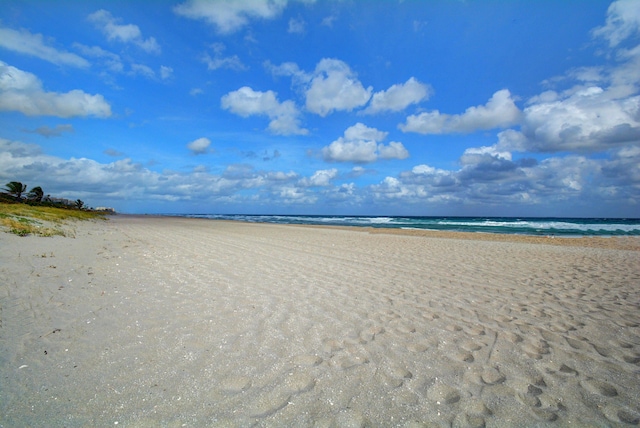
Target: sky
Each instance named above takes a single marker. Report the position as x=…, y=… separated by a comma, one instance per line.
x=426, y=108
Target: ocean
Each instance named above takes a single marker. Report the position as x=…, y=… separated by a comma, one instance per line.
x=511, y=225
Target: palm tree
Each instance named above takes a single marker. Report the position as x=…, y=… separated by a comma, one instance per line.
x=79, y=204
x=16, y=188
x=36, y=194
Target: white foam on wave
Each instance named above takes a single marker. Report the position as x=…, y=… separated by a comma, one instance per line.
x=546, y=225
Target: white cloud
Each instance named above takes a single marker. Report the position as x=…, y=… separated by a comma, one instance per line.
x=335, y=87
x=475, y=155
x=321, y=178
x=395, y=150
x=111, y=61
x=166, y=72
x=116, y=183
x=361, y=144
x=587, y=120
x=601, y=112
x=398, y=97
x=623, y=21
x=329, y=20
x=34, y=45
x=230, y=16
x=488, y=178
x=499, y=112
x=199, y=146
x=297, y=26
x=22, y=91
x=219, y=61
x=246, y=102
x=125, y=33
x=143, y=70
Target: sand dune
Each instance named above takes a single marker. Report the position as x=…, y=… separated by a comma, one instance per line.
x=145, y=321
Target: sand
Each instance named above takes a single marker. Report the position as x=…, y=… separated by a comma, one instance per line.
x=145, y=321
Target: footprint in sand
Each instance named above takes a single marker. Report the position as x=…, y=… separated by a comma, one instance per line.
x=235, y=384
x=575, y=344
x=530, y=398
x=621, y=344
x=492, y=376
x=469, y=421
x=599, y=387
x=369, y=334
x=347, y=362
x=443, y=394
x=512, y=337
x=536, y=350
x=631, y=358
x=476, y=331
x=601, y=350
x=394, y=377
x=330, y=346
x=307, y=360
x=621, y=414
x=268, y=404
x=351, y=419
x=546, y=415
x=470, y=346
x=417, y=347
x=464, y=356
x=565, y=369
x=297, y=383
x=405, y=328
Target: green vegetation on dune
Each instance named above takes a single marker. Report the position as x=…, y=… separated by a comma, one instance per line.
x=32, y=213
x=23, y=219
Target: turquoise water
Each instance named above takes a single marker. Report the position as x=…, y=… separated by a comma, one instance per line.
x=523, y=225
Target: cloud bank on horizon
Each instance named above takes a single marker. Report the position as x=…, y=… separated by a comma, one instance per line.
x=414, y=108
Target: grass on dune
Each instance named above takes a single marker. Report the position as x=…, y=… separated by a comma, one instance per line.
x=24, y=219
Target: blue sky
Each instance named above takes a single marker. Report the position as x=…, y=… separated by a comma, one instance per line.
x=512, y=108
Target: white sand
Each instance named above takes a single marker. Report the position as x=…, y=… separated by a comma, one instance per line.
x=143, y=321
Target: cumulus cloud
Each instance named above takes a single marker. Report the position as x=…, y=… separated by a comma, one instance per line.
x=601, y=112
x=125, y=33
x=332, y=86
x=199, y=146
x=499, y=112
x=335, y=87
x=321, y=178
x=588, y=120
x=246, y=102
x=114, y=183
x=230, y=16
x=361, y=144
x=33, y=44
x=398, y=97
x=487, y=178
x=22, y=91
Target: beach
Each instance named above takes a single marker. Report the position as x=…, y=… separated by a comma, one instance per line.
x=142, y=321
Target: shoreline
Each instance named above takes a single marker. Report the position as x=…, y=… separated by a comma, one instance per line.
x=630, y=243
x=158, y=321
